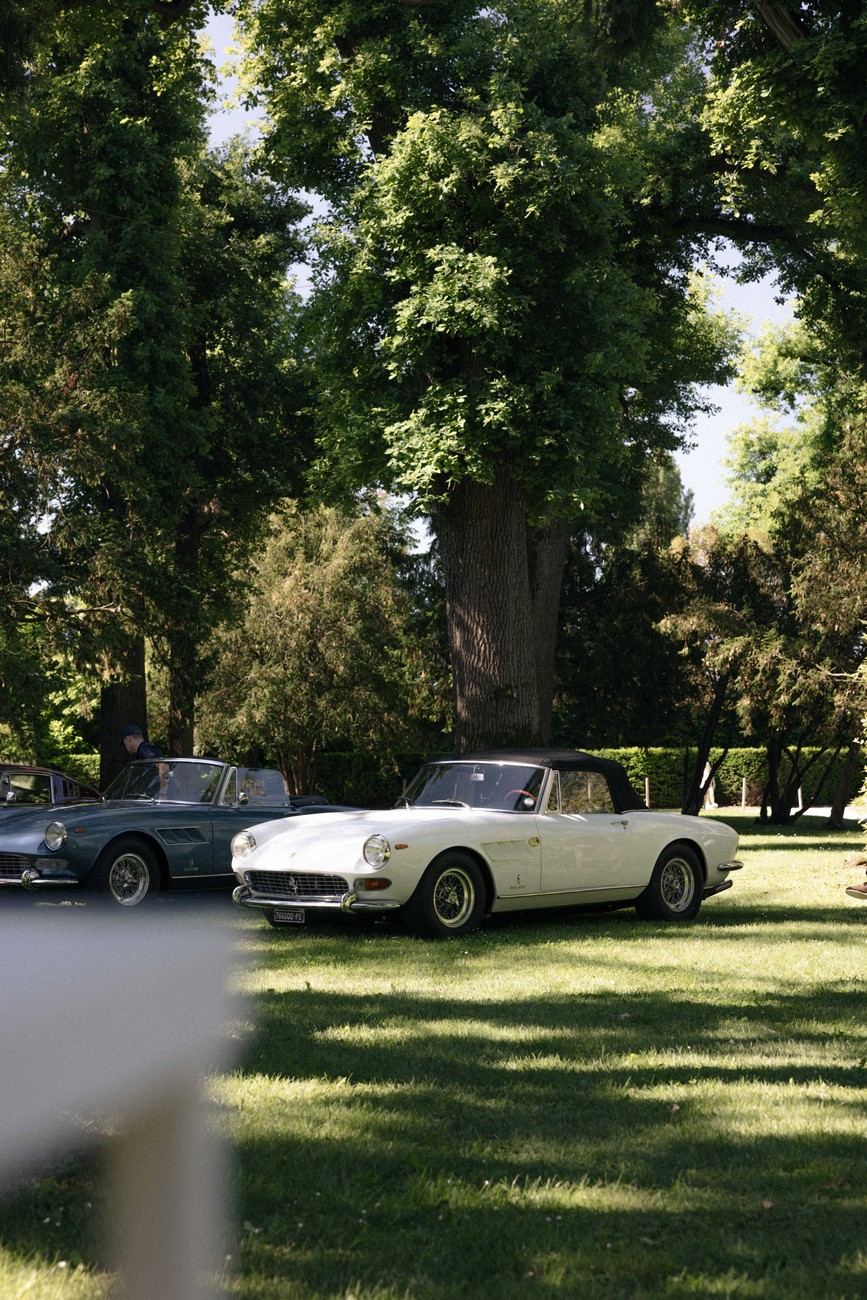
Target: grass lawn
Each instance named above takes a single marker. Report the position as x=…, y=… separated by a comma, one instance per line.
x=580, y=1105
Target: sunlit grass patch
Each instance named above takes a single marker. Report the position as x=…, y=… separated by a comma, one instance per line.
x=21, y=1280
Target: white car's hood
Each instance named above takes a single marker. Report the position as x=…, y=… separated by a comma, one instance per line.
x=335, y=840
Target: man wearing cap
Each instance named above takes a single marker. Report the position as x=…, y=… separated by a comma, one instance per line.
x=135, y=744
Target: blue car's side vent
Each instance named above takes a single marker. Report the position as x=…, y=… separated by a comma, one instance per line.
x=182, y=835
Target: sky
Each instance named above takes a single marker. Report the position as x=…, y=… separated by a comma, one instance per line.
x=702, y=467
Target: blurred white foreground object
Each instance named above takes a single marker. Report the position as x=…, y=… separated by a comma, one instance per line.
x=122, y=1016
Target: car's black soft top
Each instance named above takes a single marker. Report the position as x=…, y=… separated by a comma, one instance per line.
x=566, y=760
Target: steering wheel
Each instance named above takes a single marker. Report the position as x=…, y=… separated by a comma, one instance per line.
x=526, y=792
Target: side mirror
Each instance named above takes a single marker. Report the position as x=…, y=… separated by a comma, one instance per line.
x=243, y=797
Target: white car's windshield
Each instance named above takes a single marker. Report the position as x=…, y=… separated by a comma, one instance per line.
x=168, y=782
x=507, y=787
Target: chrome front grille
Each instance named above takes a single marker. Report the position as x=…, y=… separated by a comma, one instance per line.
x=297, y=884
x=11, y=865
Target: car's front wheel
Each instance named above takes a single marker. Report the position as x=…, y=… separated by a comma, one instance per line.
x=675, y=889
x=448, y=900
x=126, y=873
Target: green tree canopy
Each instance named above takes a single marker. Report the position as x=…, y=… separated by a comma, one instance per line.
x=506, y=319
x=324, y=651
x=173, y=387
x=785, y=120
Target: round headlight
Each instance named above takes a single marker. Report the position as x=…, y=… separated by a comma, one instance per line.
x=376, y=851
x=243, y=844
x=55, y=835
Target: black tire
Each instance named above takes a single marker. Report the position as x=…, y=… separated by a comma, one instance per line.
x=449, y=899
x=675, y=889
x=127, y=873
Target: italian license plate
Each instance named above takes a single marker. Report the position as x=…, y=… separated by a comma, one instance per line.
x=289, y=915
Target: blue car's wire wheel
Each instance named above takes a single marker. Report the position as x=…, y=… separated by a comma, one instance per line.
x=126, y=873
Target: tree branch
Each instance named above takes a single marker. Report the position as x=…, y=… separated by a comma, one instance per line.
x=784, y=25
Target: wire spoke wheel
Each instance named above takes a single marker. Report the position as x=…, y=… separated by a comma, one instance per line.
x=677, y=884
x=454, y=898
x=126, y=873
x=449, y=899
x=675, y=889
x=129, y=879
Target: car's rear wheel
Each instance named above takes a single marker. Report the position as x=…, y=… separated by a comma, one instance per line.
x=126, y=873
x=448, y=900
x=675, y=889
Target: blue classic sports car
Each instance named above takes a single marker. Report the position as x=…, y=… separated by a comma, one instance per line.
x=162, y=824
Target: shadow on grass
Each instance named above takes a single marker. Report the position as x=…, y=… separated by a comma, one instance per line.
x=814, y=830
x=52, y=1216
x=312, y=1034
x=713, y=915
x=589, y=923
x=552, y=1131
x=789, y=840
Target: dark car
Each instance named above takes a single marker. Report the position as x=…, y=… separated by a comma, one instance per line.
x=162, y=824
x=22, y=786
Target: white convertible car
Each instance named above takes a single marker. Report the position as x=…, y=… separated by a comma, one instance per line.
x=488, y=832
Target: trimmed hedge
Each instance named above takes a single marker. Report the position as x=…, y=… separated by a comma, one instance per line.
x=369, y=782
x=82, y=767
x=366, y=780
x=665, y=770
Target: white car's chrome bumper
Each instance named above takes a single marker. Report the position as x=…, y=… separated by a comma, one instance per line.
x=734, y=865
x=244, y=896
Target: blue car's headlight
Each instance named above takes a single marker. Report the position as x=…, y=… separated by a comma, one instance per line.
x=243, y=844
x=376, y=851
x=55, y=836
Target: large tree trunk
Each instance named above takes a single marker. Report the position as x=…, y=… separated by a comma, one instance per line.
x=843, y=793
x=182, y=696
x=122, y=703
x=184, y=637
x=482, y=532
x=784, y=25
x=298, y=768
x=547, y=548
x=783, y=791
x=703, y=771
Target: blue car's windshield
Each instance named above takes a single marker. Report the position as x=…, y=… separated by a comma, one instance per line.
x=168, y=781
x=507, y=787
